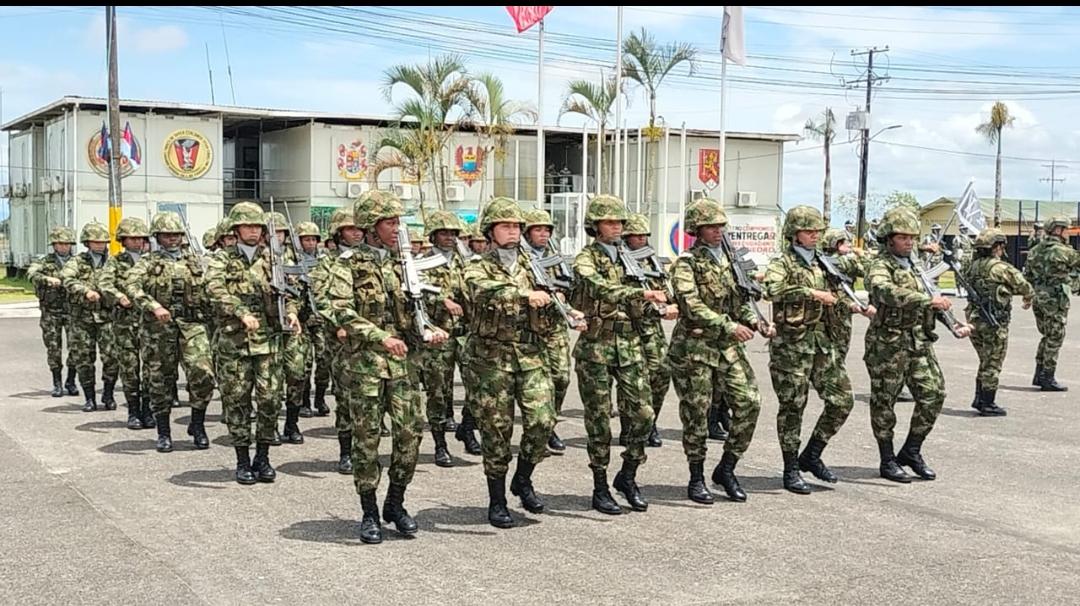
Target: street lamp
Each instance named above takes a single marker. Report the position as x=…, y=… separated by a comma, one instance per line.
x=864, y=169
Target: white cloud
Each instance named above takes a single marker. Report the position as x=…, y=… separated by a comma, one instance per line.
x=133, y=36
x=161, y=39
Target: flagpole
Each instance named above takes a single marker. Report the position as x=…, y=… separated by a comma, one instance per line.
x=115, y=195
x=540, y=121
x=618, y=105
x=721, y=167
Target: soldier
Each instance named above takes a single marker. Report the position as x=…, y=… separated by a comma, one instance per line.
x=294, y=345
x=416, y=239
x=247, y=340
x=225, y=235
x=995, y=281
x=209, y=239
x=90, y=319
x=849, y=229
x=477, y=244
x=1037, y=234
x=132, y=234
x=964, y=250
x=53, y=302
x=899, y=346
x=803, y=351
x=838, y=317
x=367, y=301
x=707, y=354
x=168, y=288
x=315, y=355
x=647, y=321
x=1048, y=267
x=611, y=350
x=930, y=248
x=507, y=324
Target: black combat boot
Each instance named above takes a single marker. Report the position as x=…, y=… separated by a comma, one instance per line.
x=1037, y=379
x=889, y=469
x=107, y=397
x=394, y=512
x=654, y=436
x=321, y=409
x=175, y=397
x=292, y=426
x=623, y=422
x=987, y=405
x=197, y=429
x=305, y=404
x=716, y=429
x=521, y=486
x=449, y=424
x=1049, y=383
x=344, y=466
x=134, y=406
x=69, y=384
x=370, y=527
x=601, y=496
x=810, y=460
x=146, y=415
x=164, y=433
x=90, y=405
x=57, y=382
x=724, y=475
x=498, y=514
x=624, y=483
x=276, y=440
x=244, y=475
x=442, y=454
x=697, y=491
x=910, y=455
x=465, y=433
x=793, y=481
x=555, y=444
x=261, y=465
x=978, y=395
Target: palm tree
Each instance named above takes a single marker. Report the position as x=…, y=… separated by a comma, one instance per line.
x=999, y=119
x=403, y=149
x=494, y=116
x=825, y=130
x=437, y=106
x=648, y=63
x=594, y=101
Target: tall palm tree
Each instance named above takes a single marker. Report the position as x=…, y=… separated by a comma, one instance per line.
x=495, y=117
x=403, y=149
x=594, y=101
x=991, y=129
x=437, y=105
x=824, y=130
x=648, y=63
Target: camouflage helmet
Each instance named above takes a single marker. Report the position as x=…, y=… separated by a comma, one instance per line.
x=307, y=228
x=246, y=213
x=501, y=210
x=224, y=228
x=280, y=223
x=61, y=235
x=131, y=227
x=898, y=221
x=166, y=222
x=832, y=239
x=636, y=225
x=802, y=218
x=1057, y=221
x=989, y=237
x=475, y=235
x=94, y=232
x=209, y=237
x=704, y=211
x=441, y=219
x=374, y=206
x=538, y=218
x=416, y=235
x=604, y=207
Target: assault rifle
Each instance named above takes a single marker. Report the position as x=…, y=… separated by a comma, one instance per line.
x=749, y=288
x=549, y=284
x=839, y=279
x=413, y=285
x=278, y=283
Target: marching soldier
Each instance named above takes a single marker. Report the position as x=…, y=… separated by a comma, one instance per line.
x=477, y=243
x=835, y=242
x=1037, y=234
x=294, y=345
x=1048, y=267
x=315, y=355
x=55, y=319
x=930, y=248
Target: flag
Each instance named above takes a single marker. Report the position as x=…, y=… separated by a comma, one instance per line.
x=969, y=211
x=128, y=148
x=104, y=147
x=527, y=16
x=731, y=40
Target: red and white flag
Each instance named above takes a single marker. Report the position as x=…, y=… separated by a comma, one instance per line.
x=527, y=16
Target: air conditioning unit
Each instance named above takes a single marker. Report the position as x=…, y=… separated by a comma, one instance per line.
x=455, y=193
x=697, y=194
x=403, y=191
x=357, y=189
x=746, y=199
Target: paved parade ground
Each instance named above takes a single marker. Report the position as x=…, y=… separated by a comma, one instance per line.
x=93, y=515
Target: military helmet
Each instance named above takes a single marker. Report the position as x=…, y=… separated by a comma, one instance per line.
x=636, y=225
x=307, y=228
x=341, y=217
x=538, y=218
x=802, y=218
x=246, y=213
x=94, y=232
x=416, y=235
x=605, y=207
x=61, y=235
x=209, y=237
x=989, y=237
x=374, y=206
x=224, y=228
x=1058, y=221
x=898, y=221
x=131, y=227
x=475, y=235
x=441, y=219
x=501, y=210
x=704, y=211
x=1038, y=225
x=166, y=222
x=280, y=223
x=832, y=239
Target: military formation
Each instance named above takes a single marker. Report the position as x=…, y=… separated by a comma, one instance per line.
x=275, y=316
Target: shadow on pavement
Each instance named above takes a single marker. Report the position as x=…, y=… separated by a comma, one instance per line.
x=130, y=447
x=204, y=478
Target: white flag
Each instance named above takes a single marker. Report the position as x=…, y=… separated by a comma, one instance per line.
x=731, y=40
x=969, y=211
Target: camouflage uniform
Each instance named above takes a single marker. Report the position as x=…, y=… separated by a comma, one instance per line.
x=1048, y=267
x=91, y=322
x=803, y=352
x=55, y=319
x=706, y=359
x=172, y=281
x=315, y=356
x=838, y=317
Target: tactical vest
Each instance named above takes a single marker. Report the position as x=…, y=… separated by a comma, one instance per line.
x=174, y=284
x=52, y=300
x=978, y=275
x=506, y=321
x=604, y=318
x=899, y=318
x=716, y=288
x=375, y=293
x=794, y=316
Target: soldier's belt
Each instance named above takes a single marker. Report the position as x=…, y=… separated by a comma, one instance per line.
x=601, y=328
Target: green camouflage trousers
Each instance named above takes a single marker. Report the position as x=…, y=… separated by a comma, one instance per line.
x=699, y=385
x=244, y=382
x=126, y=340
x=496, y=393
x=555, y=352
x=792, y=374
x=87, y=338
x=343, y=420
x=53, y=326
x=991, y=345
x=1050, y=319
x=370, y=398
x=320, y=363
x=167, y=347
x=296, y=356
x=891, y=366
x=438, y=366
x=654, y=347
x=594, y=386
x=468, y=377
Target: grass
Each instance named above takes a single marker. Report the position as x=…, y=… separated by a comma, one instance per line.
x=16, y=290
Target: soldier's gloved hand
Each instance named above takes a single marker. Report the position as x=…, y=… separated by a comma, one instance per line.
x=395, y=346
x=162, y=315
x=870, y=311
x=743, y=334
x=824, y=297
x=539, y=298
x=940, y=303
x=124, y=301
x=92, y=296
x=655, y=296
x=342, y=335
x=671, y=312
x=454, y=309
x=52, y=282
x=250, y=322
x=294, y=323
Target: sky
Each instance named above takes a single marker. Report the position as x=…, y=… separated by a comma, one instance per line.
x=946, y=67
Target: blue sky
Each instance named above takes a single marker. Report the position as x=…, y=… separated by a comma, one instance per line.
x=947, y=65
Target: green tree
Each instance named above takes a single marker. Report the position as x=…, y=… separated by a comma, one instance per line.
x=991, y=129
x=495, y=117
x=594, y=101
x=824, y=129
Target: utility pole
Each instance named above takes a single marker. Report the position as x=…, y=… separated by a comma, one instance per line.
x=864, y=160
x=116, y=203
x=1053, y=166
